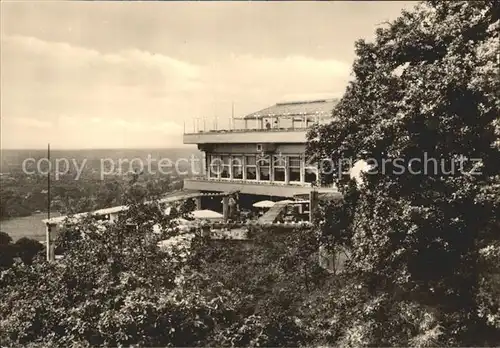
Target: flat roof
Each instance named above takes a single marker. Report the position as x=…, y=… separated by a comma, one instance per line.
x=321, y=108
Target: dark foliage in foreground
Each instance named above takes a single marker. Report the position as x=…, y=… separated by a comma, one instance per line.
x=424, y=244
x=25, y=249
x=117, y=287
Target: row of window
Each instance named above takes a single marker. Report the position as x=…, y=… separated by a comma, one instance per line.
x=262, y=168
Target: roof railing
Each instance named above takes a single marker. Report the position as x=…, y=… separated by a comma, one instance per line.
x=258, y=123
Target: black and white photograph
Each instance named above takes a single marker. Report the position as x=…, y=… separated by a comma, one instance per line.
x=249, y=173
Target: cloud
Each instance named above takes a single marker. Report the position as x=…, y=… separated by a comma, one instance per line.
x=269, y=80
x=28, y=122
x=55, y=63
x=129, y=98
x=113, y=124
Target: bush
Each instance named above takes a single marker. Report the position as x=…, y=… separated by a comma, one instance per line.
x=27, y=249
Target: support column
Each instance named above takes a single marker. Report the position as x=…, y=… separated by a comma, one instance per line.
x=313, y=204
x=225, y=207
x=204, y=170
x=302, y=169
x=208, y=158
x=244, y=167
x=197, y=202
x=287, y=170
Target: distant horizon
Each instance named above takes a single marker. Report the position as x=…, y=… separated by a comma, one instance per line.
x=102, y=148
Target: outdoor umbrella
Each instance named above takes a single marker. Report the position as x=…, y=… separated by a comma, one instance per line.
x=206, y=214
x=285, y=201
x=263, y=204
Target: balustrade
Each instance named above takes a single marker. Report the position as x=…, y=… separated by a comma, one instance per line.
x=276, y=123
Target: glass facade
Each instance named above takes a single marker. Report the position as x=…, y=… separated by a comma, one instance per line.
x=294, y=168
x=264, y=165
x=237, y=167
x=251, y=167
x=279, y=168
x=282, y=169
x=225, y=173
x=215, y=166
x=311, y=175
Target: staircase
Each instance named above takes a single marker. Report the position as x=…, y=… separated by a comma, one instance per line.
x=272, y=214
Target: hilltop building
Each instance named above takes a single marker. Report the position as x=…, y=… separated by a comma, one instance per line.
x=260, y=155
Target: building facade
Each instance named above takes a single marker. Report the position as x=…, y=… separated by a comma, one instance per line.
x=261, y=154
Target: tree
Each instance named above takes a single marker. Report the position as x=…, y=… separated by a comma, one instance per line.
x=186, y=207
x=271, y=278
x=113, y=286
x=426, y=88
x=5, y=238
x=27, y=249
x=7, y=251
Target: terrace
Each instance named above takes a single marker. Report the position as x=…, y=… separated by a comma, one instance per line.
x=266, y=188
x=283, y=122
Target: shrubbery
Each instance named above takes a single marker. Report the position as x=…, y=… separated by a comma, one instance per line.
x=25, y=249
x=424, y=247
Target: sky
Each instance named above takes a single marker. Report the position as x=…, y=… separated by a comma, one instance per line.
x=130, y=74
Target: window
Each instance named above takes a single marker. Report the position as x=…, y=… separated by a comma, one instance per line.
x=264, y=165
x=225, y=167
x=294, y=168
x=279, y=164
x=207, y=164
x=237, y=163
x=311, y=174
x=251, y=168
x=215, y=166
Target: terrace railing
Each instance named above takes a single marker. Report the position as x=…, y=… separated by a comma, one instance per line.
x=251, y=182
x=276, y=123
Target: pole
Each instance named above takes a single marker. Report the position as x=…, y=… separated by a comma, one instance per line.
x=48, y=182
x=313, y=204
x=231, y=122
x=48, y=227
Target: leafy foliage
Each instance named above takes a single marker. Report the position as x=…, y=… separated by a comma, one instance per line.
x=116, y=286
x=428, y=86
x=27, y=249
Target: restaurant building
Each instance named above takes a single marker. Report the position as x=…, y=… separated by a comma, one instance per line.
x=261, y=154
